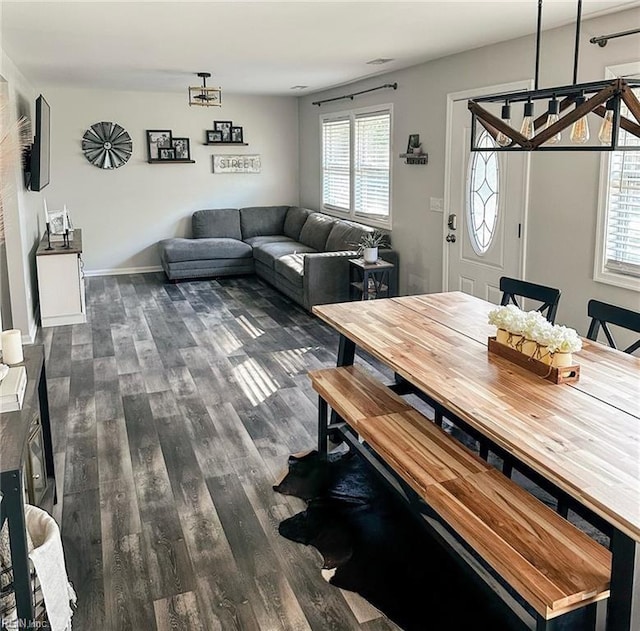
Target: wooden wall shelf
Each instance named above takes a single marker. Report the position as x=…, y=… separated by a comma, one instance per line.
x=156, y=161
x=415, y=158
x=228, y=144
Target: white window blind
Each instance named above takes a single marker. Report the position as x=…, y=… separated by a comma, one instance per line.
x=622, y=240
x=371, y=164
x=336, y=163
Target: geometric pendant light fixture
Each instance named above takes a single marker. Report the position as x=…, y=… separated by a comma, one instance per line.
x=565, y=113
x=205, y=96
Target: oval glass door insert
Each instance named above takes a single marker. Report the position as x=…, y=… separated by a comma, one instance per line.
x=483, y=184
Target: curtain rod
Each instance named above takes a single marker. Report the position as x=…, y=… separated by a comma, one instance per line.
x=350, y=96
x=603, y=39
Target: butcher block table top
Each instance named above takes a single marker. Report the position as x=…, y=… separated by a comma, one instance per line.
x=583, y=436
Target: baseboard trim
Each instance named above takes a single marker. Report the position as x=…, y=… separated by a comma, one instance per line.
x=118, y=271
x=30, y=338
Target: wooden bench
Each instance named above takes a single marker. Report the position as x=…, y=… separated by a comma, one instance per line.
x=551, y=564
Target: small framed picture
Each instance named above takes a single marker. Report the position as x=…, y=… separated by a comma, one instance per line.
x=214, y=136
x=236, y=134
x=414, y=142
x=182, y=148
x=166, y=154
x=157, y=139
x=225, y=128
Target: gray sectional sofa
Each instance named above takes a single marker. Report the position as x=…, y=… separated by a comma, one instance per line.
x=302, y=253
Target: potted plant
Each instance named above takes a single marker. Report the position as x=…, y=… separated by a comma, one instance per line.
x=369, y=244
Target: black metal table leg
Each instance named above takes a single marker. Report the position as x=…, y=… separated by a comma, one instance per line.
x=346, y=355
x=346, y=351
x=624, y=602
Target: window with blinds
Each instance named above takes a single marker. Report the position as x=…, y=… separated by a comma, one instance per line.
x=371, y=165
x=356, y=164
x=622, y=238
x=336, y=163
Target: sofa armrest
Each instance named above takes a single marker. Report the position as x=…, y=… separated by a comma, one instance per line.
x=326, y=276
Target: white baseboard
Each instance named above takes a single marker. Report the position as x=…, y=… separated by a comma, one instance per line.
x=30, y=338
x=118, y=271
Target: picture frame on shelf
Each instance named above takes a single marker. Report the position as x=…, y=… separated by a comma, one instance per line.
x=158, y=139
x=166, y=153
x=213, y=136
x=236, y=134
x=414, y=142
x=182, y=148
x=225, y=128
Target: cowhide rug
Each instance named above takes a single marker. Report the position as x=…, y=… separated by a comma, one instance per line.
x=372, y=545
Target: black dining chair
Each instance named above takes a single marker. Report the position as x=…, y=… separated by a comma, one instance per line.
x=548, y=296
x=603, y=314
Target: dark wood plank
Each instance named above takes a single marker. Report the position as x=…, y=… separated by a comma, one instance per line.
x=274, y=602
x=81, y=538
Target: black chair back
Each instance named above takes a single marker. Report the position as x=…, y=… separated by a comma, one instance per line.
x=548, y=296
x=603, y=314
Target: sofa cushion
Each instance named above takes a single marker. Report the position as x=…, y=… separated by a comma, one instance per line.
x=291, y=267
x=345, y=235
x=174, y=250
x=258, y=221
x=274, y=238
x=316, y=229
x=269, y=253
x=218, y=222
x=294, y=221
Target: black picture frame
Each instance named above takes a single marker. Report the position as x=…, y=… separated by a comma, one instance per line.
x=182, y=148
x=225, y=128
x=158, y=139
x=414, y=141
x=236, y=134
x=213, y=136
x=166, y=153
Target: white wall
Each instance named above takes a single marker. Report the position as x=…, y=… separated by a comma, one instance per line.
x=126, y=211
x=22, y=228
x=563, y=187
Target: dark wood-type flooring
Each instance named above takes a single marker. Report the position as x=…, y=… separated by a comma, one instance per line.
x=173, y=412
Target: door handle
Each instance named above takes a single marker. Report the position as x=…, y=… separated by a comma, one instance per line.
x=451, y=238
x=452, y=222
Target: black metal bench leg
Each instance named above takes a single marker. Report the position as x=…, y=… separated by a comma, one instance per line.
x=507, y=467
x=484, y=452
x=438, y=416
x=322, y=427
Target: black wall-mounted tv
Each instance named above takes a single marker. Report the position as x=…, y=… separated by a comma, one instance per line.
x=41, y=150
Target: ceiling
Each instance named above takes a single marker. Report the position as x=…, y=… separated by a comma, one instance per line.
x=255, y=47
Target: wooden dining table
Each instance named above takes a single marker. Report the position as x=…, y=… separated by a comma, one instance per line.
x=583, y=437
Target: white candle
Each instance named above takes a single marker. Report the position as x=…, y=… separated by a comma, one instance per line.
x=46, y=211
x=12, y=346
x=65, y=220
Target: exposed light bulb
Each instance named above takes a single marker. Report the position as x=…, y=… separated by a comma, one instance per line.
x=502, y=139
x=580, y=129
x=553, y=117
x=527, y=129
x=605, y=134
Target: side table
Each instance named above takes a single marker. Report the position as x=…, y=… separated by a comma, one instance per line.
x=368, y=281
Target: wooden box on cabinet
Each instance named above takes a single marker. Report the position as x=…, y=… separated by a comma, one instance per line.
x=61, y=282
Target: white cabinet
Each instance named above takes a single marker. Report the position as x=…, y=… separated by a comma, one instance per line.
x=61, y=282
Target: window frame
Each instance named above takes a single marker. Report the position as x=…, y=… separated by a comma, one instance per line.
x=600, y=273
x=351, y=214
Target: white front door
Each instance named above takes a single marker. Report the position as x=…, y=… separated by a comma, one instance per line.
x=485, y=213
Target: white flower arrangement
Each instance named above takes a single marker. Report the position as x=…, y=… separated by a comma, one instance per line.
x=564, y=340
x=509, y=318
x=534, y=326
